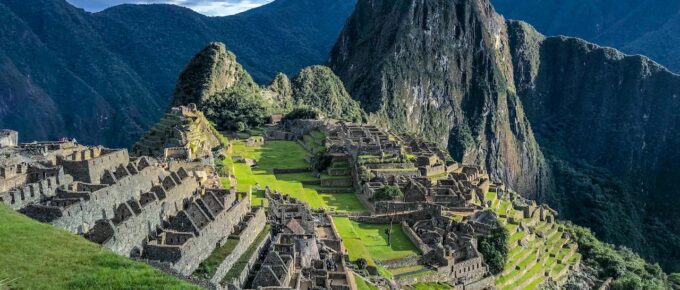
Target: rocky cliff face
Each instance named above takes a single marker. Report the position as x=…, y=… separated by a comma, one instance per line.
x=609, y=125
x=442, y=69
x=590, y=130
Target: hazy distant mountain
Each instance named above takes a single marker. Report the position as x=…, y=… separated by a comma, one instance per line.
x=107, y=77
x=647, y=27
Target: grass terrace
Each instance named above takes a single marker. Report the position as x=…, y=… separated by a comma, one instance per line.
x=304, y=186
x=369, y=241
x=526, y=266
x=43, y=257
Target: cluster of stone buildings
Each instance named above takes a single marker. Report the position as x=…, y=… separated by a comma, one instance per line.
x=305, y=251
x=432, y=185
x=139, y=207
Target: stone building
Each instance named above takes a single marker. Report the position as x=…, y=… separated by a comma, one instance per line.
x=306, y=252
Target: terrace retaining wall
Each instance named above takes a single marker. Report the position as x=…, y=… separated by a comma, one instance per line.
x=247, y=237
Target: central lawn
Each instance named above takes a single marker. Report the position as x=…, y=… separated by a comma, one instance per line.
x=39, y=256
x=285, y=155
x=369, y=241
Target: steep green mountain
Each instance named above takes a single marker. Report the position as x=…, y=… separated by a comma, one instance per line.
x=318, y=87
x=647, y=27
x=216, y=82
x=588, y=129
x=106, y=77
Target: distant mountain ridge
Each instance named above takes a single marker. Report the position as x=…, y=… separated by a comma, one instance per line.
x=107, y=77
x=647, y=27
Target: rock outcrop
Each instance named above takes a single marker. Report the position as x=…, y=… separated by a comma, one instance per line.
x=610, y=128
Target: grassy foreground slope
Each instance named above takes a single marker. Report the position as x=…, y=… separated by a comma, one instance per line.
x=39, y=256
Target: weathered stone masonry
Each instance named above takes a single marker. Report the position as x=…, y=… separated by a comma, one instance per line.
x=191, y=235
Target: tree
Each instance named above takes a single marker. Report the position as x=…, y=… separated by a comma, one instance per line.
x=494, y=248
x=390, y=192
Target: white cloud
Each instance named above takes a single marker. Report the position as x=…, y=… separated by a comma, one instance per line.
x=207, y=7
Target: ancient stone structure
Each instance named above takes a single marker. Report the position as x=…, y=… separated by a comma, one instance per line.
x=451, y=248
x=183, y=133
x=190, y=236
x=306, y=252
x=9, y=138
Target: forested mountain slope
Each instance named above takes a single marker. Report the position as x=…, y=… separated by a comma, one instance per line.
x=106, y=77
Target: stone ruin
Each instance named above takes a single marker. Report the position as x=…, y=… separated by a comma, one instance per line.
x=138, y=207
x=306, y=251
x=183, y=133
x=450, y=248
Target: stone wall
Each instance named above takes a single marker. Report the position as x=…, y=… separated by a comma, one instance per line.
x=336, y=182
x=8, y=138
x=240, y=280
x=91, y=169
x=290, y=171
x=246, y=238
x=34, y=192
x=415, y=239
x=80, y=215
x=128, y=236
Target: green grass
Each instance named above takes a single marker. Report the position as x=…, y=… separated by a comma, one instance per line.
x=402, y=270
x=208, y=267
x=285, y=155
x=242, y=261
x=369, y=241
x=39, y=256
x=362, y=284
x=430, y=286
x=526, y=258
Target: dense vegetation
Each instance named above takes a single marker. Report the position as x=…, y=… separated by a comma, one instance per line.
x=320, y=88
x=389, y=192
x=628, y=270
x=302, y=114
x=494, y=248
x=105, y=78
x=647, y=27
x=236, y=110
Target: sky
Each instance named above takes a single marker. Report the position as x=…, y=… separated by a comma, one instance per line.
x=207, y=7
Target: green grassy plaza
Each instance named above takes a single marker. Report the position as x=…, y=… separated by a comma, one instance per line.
x=44, y=257
x=285, y=155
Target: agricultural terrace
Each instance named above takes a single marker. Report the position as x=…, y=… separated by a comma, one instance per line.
x=546, y=251
x=303, y=186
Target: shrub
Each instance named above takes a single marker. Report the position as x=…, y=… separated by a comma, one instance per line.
x=495, y=249
x=302, y=114
x=390, y=192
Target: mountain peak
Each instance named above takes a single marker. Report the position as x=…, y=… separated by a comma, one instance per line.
x=214, y=69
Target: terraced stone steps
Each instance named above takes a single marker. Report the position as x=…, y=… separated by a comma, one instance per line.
x=548, y=253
